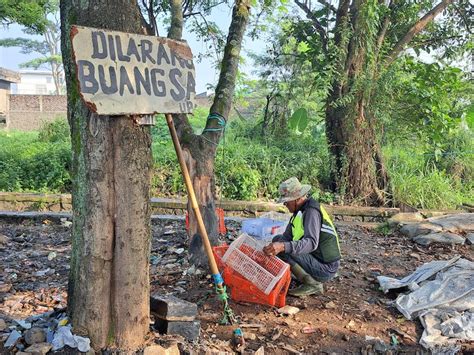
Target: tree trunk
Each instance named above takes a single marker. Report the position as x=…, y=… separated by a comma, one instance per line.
x=200, y=150
x=353, y=141
x=108, y=298
x=350, y=131
x=359, y=173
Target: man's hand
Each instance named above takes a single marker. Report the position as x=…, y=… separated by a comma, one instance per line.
x=273, y=249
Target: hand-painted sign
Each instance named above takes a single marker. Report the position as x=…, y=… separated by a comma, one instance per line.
x=123, y=73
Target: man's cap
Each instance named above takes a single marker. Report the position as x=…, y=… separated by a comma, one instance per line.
x=292, y=189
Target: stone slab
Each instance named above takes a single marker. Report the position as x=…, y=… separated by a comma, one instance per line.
x=159, y=350
x=39, y=349
x=461, y=222
x=470, y=238
x=445, y=238
x=172, y=308
x=413, y=229
x=189, y=330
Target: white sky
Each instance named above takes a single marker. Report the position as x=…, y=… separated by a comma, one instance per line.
x=10, y=58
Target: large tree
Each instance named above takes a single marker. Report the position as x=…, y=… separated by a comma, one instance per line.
x=354, y=44
x=200, y=149
x=25, y=12
x=108, y=296
x=48, y=48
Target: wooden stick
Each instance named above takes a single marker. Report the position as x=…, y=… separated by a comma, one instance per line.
x=192, y=196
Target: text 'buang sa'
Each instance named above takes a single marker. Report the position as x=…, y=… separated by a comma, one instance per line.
x=138, y=67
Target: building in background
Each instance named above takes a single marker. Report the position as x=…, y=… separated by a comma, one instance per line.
x=35, y=82
x=7, y=78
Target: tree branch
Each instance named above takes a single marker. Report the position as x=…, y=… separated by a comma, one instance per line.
x=328, y=4
x=415, y=29
x=317, y=25
x=176, y=27
x=204, y=10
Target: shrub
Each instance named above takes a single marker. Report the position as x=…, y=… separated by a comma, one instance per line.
x=27, y=164
x=55, y=131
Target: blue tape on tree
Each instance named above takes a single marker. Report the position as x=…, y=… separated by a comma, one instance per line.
x=217, y=279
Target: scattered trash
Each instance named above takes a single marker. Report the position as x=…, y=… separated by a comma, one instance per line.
x=238, y=340
x=330, y=305
x=23, y=324
x=65, y=222
x=277, y=333
x=12, y=339
x=308, y=330
x=63, y=336
x=288, y=310
x=51, y=255
x=443, y=299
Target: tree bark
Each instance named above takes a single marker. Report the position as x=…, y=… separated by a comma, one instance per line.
x=359, y=171
x=108, y=298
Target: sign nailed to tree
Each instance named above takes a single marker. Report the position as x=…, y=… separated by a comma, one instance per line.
x=122, y=73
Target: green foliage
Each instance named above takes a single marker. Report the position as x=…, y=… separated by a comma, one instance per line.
x=27, y=164
x=418, y=182
x=55, y=131
x=299, y=120
x=25, y=12
x=48, y=48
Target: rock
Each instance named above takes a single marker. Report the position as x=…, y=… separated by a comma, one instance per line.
x=414, y=229
x=188, y=330
x=35, y=335
x=5, y=287
x=403, y=218
x=470, y=238
x=288, y=310
x=3, y=325
x=445, y=238
x=456, y=222
x=249, y=336
x=51, y=255
x=330, y=305
x=172, y=308
x=23, y=324
x=12, y=339
x=39, y=349
x=4, y=239
x=159, y=350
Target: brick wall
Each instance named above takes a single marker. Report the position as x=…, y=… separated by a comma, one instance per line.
x=30, y=112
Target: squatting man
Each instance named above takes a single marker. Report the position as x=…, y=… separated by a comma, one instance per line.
x=310, y=243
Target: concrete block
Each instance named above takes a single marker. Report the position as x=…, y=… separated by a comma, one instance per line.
x=172, y=308
x=188, y=330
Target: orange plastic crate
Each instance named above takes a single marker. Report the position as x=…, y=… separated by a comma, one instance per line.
x=243, y=290
x=221, y=228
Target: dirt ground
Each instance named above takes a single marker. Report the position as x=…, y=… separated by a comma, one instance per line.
x=34, y=271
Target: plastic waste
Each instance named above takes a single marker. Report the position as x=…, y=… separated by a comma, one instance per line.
x=263, y=228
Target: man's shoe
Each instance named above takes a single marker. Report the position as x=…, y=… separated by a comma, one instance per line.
x=307, y=290
x=309, y=285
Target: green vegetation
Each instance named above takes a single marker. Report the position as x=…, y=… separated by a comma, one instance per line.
x=249, y=166
x=31, y=162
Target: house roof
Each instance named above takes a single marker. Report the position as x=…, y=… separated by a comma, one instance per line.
x=9, y=75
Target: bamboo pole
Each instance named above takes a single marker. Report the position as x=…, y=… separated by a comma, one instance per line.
x=192, y=198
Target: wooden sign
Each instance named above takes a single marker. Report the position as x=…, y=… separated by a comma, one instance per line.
x=123, y=73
